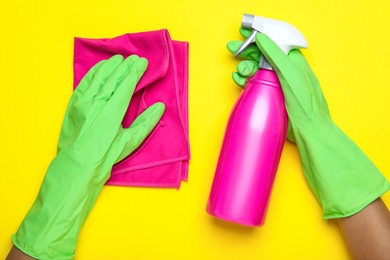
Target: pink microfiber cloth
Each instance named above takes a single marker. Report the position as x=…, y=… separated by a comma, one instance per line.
x=162, y=159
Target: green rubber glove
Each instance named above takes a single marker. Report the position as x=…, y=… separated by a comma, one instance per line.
x=341, y=176
x=251, y=56
x=92, y=140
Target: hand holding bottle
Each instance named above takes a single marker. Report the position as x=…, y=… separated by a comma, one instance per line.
x=341, y=176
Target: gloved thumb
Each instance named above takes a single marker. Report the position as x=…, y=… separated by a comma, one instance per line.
x=131, y=138
x=274, y=55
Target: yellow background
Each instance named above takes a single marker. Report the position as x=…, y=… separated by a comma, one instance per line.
x=348, y=49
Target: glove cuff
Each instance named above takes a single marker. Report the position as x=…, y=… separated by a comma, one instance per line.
x=51, y=227
x=341, y=176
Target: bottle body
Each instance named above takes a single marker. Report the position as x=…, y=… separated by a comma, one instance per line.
x=250, y=153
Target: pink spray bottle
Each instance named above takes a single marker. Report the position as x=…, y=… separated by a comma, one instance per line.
x=255, y=134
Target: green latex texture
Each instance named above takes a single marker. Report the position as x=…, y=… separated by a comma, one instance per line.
x=91, y=141
x=342, y=178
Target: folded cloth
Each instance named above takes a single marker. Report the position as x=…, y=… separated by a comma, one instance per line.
x=162, y=160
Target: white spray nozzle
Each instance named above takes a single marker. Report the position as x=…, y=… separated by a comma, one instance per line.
x=286, y=36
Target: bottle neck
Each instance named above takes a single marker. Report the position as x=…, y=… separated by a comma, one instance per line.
x=264, y=77
x=264, y=64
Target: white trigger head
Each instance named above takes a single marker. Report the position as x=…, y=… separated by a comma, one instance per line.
x=286, y=36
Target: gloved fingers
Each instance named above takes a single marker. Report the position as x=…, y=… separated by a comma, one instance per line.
x=86, y=80
x=115, y=79
x=279, y=61
x=245, y=32
x=118, y=103
x=238, y=79
x=101, y=76
x=70, y=116
x=252, y=52
x=129, y=139
x=247, y=68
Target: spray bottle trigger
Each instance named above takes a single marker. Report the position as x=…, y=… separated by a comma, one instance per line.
x=246, y=43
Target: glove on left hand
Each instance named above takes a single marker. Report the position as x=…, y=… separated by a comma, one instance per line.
x=92, y=140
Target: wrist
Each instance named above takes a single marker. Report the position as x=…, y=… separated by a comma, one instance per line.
x=68, y=192
x=71, y=166
x=341, y=176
